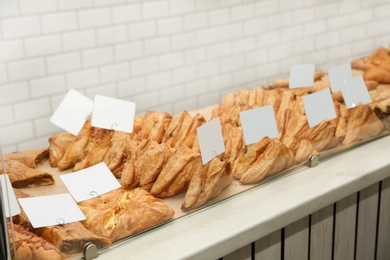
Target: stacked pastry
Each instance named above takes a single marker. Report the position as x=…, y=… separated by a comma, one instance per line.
x=297, y=141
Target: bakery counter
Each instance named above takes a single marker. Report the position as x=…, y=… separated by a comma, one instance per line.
x=240, y=220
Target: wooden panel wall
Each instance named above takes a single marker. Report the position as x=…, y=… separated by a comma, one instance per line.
x=356, y=227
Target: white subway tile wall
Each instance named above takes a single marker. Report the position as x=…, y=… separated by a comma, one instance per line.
x=166, y=55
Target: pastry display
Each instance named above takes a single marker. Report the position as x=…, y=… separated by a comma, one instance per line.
x=161, y=160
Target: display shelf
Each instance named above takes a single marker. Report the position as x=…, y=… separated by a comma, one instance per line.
x=239, y=220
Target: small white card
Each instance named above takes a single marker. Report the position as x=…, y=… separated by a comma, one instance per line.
x=72, y=112
x=51, y=210
x=257, y=123
x=355, y=91
x=114, y=114
x=90, y=182
x=302, y=75
x=9, y=198
x=319, y=106
x=338, y=76
x=210, y=140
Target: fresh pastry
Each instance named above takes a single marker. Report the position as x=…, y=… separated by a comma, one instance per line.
x=208, y=183
x=71, y=237
x=97, y=147
x=31, y=158
x=248, y=156
x=22, y=176
x=177, y=173
x=363, y=124
x=116, y=155
x=29, y=246
x=276, y=158
x=76, y=148
x=149, y=121
x=158, y=131
x=121, y=213
x=146, y=163
x=378, y=74
x=58, y=144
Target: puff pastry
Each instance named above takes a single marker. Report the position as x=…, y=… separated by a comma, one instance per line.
x=177, y=173
x=30, y=158
x=29, y=246
x=71, y=238
x=76, y=148
x=21, y=176
x=58, y=144
x=121, y=213
x=276, y=158
x=207, y=183
x=97, y=147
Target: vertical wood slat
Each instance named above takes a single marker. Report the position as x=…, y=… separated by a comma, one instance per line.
x=296, y=243
x=348, y=225
x=383, y=247
x=269, y=247
x=345, y=228
x=321, y=234
x=366, y=227
x=244, y=253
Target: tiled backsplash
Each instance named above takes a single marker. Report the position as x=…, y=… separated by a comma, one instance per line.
x=166, y=55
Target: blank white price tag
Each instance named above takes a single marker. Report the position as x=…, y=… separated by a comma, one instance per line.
x=257, y=123
x=11, y=205
x=51, y=210
x=72, y=112
x=90, y=182
x=319, y=106
x=355, y=91
x=210, y=140
x=113, y=114
x=302, y=75
x=338, y=76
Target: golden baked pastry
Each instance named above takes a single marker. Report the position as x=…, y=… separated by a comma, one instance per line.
x=177, y=173
x=208, y=183
x=234, y=142
x=116, y=155
x=378, y=74
x=76, y=148
x=149, y=121
x=29, y=246
x=58, y=144
x=146, y=163
x=248, y=156
x=160, y=127
x=363, y=124
x=276, y=158
x=22, y=176
x=30, y=158
x=97, y=147
x=121, y=213
x=71, y=237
